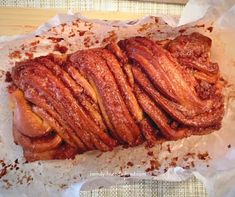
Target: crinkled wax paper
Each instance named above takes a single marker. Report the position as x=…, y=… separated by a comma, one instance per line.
x=211, y=157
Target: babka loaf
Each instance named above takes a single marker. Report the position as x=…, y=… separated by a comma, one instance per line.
x=126, y=93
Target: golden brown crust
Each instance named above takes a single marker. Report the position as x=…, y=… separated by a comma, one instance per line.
x=40, y=144
x=25, y=120
x=129, y=92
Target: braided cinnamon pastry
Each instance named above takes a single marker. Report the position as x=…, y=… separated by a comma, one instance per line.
x=129, y=92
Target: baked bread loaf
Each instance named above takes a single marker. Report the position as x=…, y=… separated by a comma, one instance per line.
x=126, y=93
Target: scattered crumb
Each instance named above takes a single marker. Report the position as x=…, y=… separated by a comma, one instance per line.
x=186, y=167
x=7, y=167
x=63, y=186
x=192, y=164
x=144, y=27
x=81, y=33
x=173, y=162
x=35, y=43
x=60, y=48
x=15, y=54
x=125, y=175
x=143, y=162
x=229, y=146
x=29, y=179
x=192, y=155
x=111, y=37
x=199, y=26
x=168, y=148
x=55, y=40
x=71, y=35
x=130, y=164
x=121, y=168
x=7, y=184
x=185, y=158
x=3, y=172
x=203, y=156
x=154, y=165
x=2, y=72
x=87, y=42
x=150, y=153
x=99, y=155
x=165, y=170
x=210, y=29
x=29, y=55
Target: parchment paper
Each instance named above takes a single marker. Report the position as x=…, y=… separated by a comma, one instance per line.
x=211, y=158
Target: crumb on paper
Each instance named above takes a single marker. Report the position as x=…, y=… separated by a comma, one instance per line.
x=75, y=23
x=63, y=186
x=125, y=175
x=15, y=55
x=7, y=184
x=35, y=43
x=2, y=72
x=71, y=35
x=191, y=155
x=129, y=163
x=203, y=156
x=186, y=167
x=87, y=42
x=156, y=20
x=3, y=172
x=81, y=33
x=165, y=169
x=99, y=155
x=154, y=165
x=210, y=29
x=143, y=162
x=169, y=148
x=55, y=39
x=150, y=153
x=192, y=164
x=60, y=48
x=121, y=168
x=111, y=37
x=173, y=162
x=88, y=24
x=145, y=27
x=29, y=55
x=229, y=146
x=199, y=26
x=6, y=167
